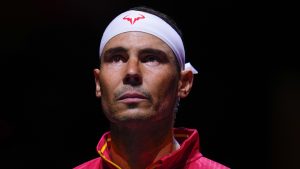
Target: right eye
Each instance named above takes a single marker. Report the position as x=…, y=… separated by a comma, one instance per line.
x=117, y=58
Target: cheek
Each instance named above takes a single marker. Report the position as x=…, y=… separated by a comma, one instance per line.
x=164, y=97
x=108, y=82
x=163, y=86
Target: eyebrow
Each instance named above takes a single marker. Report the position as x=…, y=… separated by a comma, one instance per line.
x=114, y=50
x=153, y=51
x=121, y=49
x=164, y=57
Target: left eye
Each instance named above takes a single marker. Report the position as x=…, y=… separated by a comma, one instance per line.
x=150, y=58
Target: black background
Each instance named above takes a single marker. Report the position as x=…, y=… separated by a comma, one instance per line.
x=50, y=117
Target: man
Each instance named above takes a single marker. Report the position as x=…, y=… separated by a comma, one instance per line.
x=142, y=77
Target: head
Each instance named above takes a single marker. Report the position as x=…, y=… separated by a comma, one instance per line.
x=141, y=76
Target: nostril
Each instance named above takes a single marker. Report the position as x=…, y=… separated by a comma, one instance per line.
x=132, y=79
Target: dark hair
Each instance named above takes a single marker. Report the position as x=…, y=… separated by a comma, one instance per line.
x=163, y=16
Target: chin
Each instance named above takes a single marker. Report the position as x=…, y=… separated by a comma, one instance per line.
x=133, y=116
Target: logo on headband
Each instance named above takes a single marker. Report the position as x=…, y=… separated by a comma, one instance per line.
x=133, y=19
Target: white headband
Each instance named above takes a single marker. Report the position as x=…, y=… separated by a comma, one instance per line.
x=144, y=22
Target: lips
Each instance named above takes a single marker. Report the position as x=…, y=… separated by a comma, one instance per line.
x=132, y=97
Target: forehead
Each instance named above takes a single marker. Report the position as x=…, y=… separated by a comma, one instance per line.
x=138, y=41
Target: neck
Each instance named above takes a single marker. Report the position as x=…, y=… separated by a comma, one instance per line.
x=138, y=147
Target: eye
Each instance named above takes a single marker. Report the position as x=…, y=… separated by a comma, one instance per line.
x=117, y=58
x=151, y=59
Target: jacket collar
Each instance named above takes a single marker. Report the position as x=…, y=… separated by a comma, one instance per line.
x=188, y=151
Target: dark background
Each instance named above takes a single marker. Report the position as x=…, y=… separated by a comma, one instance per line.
x=50, y=117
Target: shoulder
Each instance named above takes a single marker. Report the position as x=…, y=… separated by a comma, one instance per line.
x=92, y=164
x=205, y=163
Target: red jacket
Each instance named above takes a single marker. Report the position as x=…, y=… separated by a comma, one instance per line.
x=186, y=157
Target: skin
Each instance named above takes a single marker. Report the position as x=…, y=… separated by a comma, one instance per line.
x=139, y=83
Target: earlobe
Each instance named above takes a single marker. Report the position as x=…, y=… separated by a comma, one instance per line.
x=97, y=82
x=186, y=83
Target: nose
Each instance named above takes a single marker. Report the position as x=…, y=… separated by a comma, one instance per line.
x=133, y=73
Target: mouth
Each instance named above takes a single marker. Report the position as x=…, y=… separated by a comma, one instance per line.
x=132, y=97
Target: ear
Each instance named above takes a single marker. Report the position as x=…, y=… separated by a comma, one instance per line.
x=185, y=83
x=97, y=82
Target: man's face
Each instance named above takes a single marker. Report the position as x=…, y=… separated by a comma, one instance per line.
x=138, y=78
